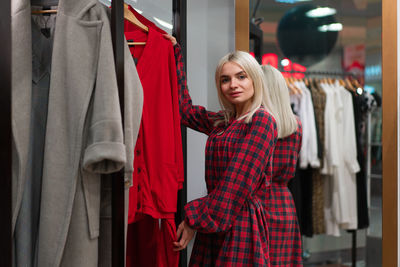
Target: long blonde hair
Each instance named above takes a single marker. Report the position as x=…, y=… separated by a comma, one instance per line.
x=254, y=71
x=278, y=92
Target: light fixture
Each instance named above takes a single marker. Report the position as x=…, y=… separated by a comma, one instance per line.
x=321, y=12
x=163, y=23
x=291, y=1
x=285, y=62
x=333, y=27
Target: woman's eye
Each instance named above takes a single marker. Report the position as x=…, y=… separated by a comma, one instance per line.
x=225, y=80
x=241, y=77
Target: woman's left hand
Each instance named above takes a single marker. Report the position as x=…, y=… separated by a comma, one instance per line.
x=185, y=233
x=171, y=38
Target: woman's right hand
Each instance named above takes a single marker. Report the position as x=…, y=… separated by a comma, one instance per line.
x=184, y=234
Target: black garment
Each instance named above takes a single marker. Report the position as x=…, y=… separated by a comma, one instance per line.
x=301, y=187
x=360, y=111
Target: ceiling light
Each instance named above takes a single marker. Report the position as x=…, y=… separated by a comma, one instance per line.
x=333, y=27
x=285, y=62
x=291, y=1
x=321, y=12
x=163, y=23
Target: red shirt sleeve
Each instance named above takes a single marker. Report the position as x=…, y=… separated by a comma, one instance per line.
x=192, y=116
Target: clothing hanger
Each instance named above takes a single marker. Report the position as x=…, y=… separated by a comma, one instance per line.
x=39, y=12
x=45, y=10
x=306, y=82
x=129, y=16
x=289, y=86
x=136, y=43
x=349, y=85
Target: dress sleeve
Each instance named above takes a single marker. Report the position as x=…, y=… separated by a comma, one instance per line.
x=218, y=210
x=192, y=116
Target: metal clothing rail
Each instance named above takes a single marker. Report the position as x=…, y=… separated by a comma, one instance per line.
x=322, y=73
x=5, y=135
x=341, y=74
x=118, y=186
x=179, y=31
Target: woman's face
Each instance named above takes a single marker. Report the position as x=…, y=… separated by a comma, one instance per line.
x=236, y=85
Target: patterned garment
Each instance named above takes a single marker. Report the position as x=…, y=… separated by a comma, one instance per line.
x=231, y=221
x=318, y=218
x=284, y=232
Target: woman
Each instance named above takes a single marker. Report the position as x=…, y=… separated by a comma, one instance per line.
x=231, y=220
x=283, y=228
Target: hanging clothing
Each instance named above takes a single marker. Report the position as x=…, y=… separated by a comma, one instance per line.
x=341, y=202
x=283, y=228
x=319, y=101
x=360, y=109
x=158, y=152
x=231, y=221
x=158, y=158
x=27, y=224
x=84, y=135
x=303, y=106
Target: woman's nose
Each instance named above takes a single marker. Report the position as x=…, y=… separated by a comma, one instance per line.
x=234, y=83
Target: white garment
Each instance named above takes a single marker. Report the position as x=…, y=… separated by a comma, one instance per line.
x=333, y=109
x=348, y=165
x=340, y=188
x=331, y=159
x=303, y=107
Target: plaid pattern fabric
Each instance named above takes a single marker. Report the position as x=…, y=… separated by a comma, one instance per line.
x=231, y=219
x=284, y=233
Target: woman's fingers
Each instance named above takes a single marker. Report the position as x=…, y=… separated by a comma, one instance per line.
x=180, y=230
x=171, y=38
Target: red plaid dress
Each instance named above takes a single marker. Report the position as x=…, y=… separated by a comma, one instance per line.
x=283, y=228
x=231, y=221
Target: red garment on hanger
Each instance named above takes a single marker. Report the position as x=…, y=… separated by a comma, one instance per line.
x=158, y=162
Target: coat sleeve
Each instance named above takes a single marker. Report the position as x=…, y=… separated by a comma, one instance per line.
x=105, y=150
x=218, y=210
x=192, y=116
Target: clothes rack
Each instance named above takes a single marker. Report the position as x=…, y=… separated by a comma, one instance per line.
x=5, y=135
x=118, y=235
x=335, y=74
x=118, y=185
x=179, y=9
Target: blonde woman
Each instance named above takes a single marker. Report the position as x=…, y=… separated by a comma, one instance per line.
x=283, y=228
x=231, y=221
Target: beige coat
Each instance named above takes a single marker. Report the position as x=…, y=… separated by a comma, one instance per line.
x=84, y=136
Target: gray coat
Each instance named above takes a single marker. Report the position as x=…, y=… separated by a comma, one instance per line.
x=84, y=136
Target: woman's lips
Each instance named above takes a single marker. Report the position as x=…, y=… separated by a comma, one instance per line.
x=236, y=94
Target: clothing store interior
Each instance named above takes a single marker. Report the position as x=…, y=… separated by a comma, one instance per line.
x=75, y=132
x=329, y=41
